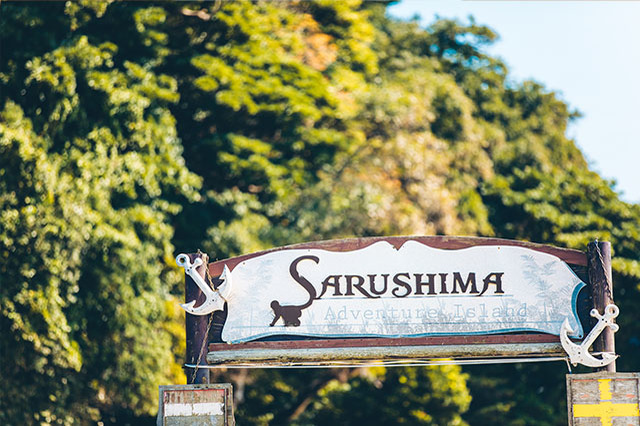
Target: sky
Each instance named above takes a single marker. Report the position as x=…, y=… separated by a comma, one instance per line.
x=586, y=51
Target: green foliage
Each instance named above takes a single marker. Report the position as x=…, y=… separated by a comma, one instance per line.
x=416, y=396
x=132, y=131
x=430, y=395
x=89, y=162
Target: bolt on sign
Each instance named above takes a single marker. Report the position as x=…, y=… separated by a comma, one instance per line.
x=206, y=404
x=607, y=399
x=391, y=297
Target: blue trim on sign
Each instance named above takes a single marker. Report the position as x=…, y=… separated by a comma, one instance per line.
x=397, y=336
x=574, y=305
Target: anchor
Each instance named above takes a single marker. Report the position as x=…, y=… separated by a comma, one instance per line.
x=214, y=298
x=579, y=354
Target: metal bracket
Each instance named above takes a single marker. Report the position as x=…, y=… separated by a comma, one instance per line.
x=214, y=298
x=579, y=354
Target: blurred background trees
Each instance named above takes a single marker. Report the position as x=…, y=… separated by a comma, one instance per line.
x=133, y=131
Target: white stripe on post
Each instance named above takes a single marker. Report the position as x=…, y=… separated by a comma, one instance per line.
x=195, y=409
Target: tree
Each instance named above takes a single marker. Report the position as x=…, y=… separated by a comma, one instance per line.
x=90, y=160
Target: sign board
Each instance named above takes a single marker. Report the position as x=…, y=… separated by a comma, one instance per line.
x=388, y=299
x=206, y=404
x=606, y=399
x=411, y=290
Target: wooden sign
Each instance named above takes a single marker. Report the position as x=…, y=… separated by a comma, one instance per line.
x=409, y=291
x=206, y=404
x=388, y=298
x=606, y=399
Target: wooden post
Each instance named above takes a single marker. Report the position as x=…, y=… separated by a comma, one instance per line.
x=196, y=327
x=603, y=398
x=187, y=405
x=601, y=285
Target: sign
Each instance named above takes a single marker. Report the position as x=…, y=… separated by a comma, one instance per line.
x=412, y=290
x=206, y=404
x=606, y=399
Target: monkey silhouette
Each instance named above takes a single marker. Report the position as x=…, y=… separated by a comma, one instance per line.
x=290, y=314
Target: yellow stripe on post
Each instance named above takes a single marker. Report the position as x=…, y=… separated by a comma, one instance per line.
x=604, y=385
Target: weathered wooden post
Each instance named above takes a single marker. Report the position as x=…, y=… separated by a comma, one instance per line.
x=605, y=397
x=601, y=285
x=199, y=402
x=196, y=327
x=197, y=405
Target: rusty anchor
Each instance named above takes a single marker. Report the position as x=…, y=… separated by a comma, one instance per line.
x=579, y=354
x=214, y=298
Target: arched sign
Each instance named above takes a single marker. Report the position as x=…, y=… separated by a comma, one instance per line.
x=396, y=297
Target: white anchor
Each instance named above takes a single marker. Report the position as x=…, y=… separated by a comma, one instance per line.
x=214, y=298
x=579, y=354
